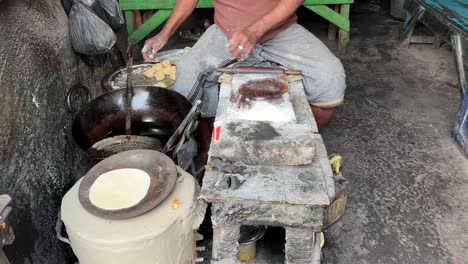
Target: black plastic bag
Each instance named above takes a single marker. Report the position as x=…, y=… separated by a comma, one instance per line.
x=107, y=10
x=94, y=60
x=96, y=7
x=113, y=13
x=89, y=34
x=67, y=5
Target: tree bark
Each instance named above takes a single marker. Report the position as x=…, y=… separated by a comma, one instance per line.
x=39, y=161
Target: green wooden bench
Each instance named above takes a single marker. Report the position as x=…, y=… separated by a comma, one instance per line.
x=338, y=16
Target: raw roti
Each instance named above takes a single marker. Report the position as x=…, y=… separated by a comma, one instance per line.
x=119, y=189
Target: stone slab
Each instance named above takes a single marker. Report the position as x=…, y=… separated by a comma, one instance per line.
x=301, y=106
x=242, y=107
x=297, y=96
x=306, y=185
x=266, y=143
x=247, y=212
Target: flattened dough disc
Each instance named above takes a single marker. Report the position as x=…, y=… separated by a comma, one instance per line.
x=137, y=195
x=119, y=189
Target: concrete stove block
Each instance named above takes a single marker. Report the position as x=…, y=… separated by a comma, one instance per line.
x=266, y=142
x=294, y=197
x=311, y=184
x=301, y=106
x=254, y=142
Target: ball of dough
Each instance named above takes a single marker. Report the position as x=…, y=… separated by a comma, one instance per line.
x=150, y=73
x=166, y=63
x=167, y=70
x=172, y=75
x=158, y=67
x=159, y=76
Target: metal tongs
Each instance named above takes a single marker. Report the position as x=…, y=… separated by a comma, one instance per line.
x=249, y=69
x=179, y=131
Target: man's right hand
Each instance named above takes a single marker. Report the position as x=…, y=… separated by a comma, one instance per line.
x=181, y=11
x=152, y=46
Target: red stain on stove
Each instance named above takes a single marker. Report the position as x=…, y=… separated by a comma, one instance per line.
x=259, y=89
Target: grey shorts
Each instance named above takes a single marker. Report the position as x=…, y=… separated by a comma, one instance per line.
x=294, y=48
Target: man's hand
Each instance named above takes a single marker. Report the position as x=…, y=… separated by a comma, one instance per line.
x=181, y=11
x=241, y=44
x=152, y=46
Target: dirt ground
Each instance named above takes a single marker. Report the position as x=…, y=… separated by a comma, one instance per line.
x=409, y=202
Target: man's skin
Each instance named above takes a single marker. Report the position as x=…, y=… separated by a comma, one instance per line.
x=240, y=46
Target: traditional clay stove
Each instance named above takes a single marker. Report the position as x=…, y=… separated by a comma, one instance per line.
x=267, y=166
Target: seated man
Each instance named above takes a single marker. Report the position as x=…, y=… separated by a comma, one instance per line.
x=251, y=31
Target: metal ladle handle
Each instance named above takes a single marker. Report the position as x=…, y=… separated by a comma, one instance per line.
x=129, y=92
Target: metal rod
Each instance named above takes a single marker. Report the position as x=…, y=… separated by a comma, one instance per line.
x=181, y=127
x=243, y=69
x=458, y=54
x=129, y=92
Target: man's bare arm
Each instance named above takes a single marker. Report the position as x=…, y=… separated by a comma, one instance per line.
x=242, y=42
x=182, y=10
x=278, y=15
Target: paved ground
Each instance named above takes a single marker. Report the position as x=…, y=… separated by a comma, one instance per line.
x=408, y=203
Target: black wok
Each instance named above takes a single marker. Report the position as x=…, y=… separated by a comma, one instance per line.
x=156, y=112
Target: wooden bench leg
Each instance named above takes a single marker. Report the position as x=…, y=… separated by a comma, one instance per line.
x=343, y=36
x=407, y=30
x=458, y=53
x=332, y=28
x=146, y=28
x=438, y=41
x=130, y=21
x=341, y=20
x=138, y=19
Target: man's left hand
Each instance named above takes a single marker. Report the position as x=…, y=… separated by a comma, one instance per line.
x=241, y=44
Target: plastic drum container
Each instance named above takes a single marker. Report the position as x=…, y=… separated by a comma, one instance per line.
x=164, y=235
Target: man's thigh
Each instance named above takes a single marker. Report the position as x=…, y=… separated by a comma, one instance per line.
x=324, y=77
x=196, y=74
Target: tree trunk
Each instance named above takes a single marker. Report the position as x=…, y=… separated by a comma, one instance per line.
x=39, y=161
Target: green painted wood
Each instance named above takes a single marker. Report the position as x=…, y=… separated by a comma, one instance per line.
x=343, y=35
x=332, y=16
x=327, y=2
x=169, y=4
x=165, y=8
x=130, y=21
x=157, y=4
x=150, y=25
